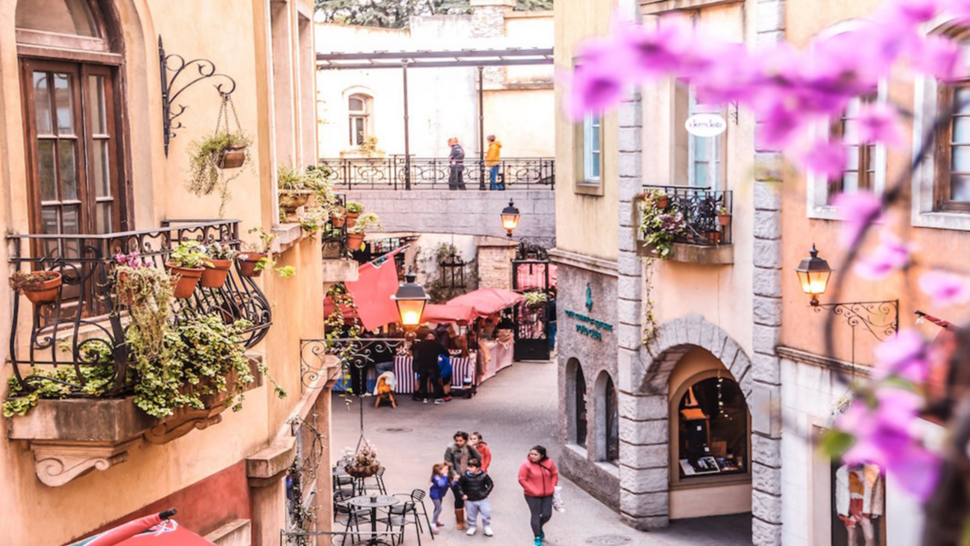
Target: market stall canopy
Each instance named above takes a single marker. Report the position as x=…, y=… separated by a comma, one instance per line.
x=486, y=301
x=376, y=283
x=449, y=312
x=154, y=530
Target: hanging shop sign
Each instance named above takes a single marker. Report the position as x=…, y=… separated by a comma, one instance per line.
x=705, y=125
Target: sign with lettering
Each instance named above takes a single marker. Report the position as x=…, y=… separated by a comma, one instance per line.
x=594, y=325
x=705, y=125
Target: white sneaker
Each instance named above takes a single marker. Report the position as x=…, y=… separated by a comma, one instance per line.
x=425, y=401
x=471, y=531
x=438, y=401
x=488, y=531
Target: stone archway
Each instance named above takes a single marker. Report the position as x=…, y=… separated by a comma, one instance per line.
x=645, y=423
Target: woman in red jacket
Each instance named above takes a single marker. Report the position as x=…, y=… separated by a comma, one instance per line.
x=538, y=477
x=475, y=440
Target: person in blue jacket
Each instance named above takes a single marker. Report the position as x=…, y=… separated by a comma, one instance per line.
x=444, y=365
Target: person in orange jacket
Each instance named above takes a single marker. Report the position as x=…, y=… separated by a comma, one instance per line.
x=475, y=440
x=492, y=161
x=538, y=477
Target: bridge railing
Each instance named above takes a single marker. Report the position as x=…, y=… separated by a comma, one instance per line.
x=399, y=172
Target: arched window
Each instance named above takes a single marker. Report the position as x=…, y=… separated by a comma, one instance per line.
x=612, y=424
x=712, y=428
x=71, y=106
x=581, y=425
x=951, y=191
x=359, y=109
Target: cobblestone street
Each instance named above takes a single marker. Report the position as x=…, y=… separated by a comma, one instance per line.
x=513, y=411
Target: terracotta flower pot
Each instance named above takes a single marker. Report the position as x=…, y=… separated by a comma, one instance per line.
x=723, y=219
x=248, y=262
x=46, y=292
x=352, y=219
x=363, y=471
x=354, y=240
x=232, y=158
x=188, y=278
x=290, y=200
x=338, y=221
x=215, y=276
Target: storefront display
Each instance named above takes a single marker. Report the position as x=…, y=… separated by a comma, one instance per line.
x=713, y=429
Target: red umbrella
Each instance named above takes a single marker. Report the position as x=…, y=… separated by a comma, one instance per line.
x=123, y=534
x=486, y=301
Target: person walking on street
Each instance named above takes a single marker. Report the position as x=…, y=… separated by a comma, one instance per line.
x=457, y=162
x=425, y=357
x=457, y=455
x=474, y=486
x=440, y=483
x=492, y=162
x=538, y=477
x=476, y=441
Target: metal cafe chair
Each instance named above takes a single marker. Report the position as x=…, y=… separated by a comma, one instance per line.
x=400, y=517
x=363, y=488
x=355, y=516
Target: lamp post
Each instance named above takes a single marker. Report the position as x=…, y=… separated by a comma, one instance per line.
x=880, y=318
x=410, y=300
x=510, y=218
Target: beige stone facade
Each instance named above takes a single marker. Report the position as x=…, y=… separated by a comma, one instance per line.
x=267, y=49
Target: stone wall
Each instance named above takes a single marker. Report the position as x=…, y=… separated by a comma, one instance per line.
x=470, y=212
x=587, y=467
x=488, y=21
x=495, y=266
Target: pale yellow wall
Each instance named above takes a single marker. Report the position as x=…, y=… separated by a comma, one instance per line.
x=533, y=28
x=585, y=225
x=521, y=121
x=234, y=35
x=722, y=294
x=804, y=329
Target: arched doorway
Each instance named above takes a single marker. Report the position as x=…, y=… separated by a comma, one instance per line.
x=576, y=404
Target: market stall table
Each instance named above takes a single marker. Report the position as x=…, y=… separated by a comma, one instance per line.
x=462, y=373
x=379, y=501
x=501, y=357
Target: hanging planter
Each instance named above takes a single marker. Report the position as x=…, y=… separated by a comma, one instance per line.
x=232, y=156
x=249, y=264
x=40, y=287
x=363, y=463
x=225, y=149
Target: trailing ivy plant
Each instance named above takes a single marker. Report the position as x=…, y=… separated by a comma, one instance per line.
x=658, y=226
x=205, y=176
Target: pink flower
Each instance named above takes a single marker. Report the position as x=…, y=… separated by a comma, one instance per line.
x=938, y=56
x=856, y=210
x=890, y=255
x=877, y=123
x=903, y=356
x=945, y=288
x=825, y=158
x=914, y=12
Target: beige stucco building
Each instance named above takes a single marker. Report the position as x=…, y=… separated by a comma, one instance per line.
x=83, y=77
x=517, y=104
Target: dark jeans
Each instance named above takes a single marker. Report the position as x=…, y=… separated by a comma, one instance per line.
x=541, y=509
x=459, y=502
x=455, y=181
x=432, y=376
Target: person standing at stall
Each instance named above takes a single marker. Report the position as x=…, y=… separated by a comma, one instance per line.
x=538, y=477
x=425, y=357
x=457, y=454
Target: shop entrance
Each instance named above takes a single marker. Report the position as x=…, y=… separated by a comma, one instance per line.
x=532, y=272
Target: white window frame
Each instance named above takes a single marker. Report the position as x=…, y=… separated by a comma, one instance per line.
x=592, y=132
x=716, y=172
x=363, y=114
x=926, y=91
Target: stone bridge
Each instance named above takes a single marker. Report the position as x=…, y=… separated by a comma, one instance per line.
x=469, y=212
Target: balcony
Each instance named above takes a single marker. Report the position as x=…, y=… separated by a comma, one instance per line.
x=398, y=172
x=706, y=233
x=78, y=354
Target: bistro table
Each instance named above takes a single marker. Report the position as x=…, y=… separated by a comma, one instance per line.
x=381, y=501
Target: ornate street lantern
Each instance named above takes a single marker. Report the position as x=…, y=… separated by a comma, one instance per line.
x=410, y=300
x=510, y=218
x=814, y=273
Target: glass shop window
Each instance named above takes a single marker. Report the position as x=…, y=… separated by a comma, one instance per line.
x=713, y=429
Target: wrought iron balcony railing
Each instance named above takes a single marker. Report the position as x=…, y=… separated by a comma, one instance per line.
x=397, y=172
x=334, y=235
x=84, y=311
x=707, y=213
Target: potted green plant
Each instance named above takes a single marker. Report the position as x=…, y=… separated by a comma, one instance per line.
x=209, y=156
x=293, y=190
x=659, y=227
x=255, y=257
x=187, y=263
x=354, y=210
x=535, y=298
x=363, y=463
x=355, y=233
x=723, y=217
x=338, y=216
x=39, y=286
x=218, y=262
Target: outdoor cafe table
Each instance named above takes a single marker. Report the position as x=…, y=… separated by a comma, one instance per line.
x=381, y=501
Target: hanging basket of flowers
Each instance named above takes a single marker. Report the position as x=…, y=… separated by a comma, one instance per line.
x=363, y=463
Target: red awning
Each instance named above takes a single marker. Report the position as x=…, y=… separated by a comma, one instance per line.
x=376, y=283
x=349, y=312
x=167, y=533
x=486, y=301
x=533, y=276
x=449, y=312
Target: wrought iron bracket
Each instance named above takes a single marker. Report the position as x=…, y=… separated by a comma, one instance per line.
x=880, y=318
x=172, y=66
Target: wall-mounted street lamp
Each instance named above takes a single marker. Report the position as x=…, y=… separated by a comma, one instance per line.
x=880, y=318
x=410, y=300
x=510, y=218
